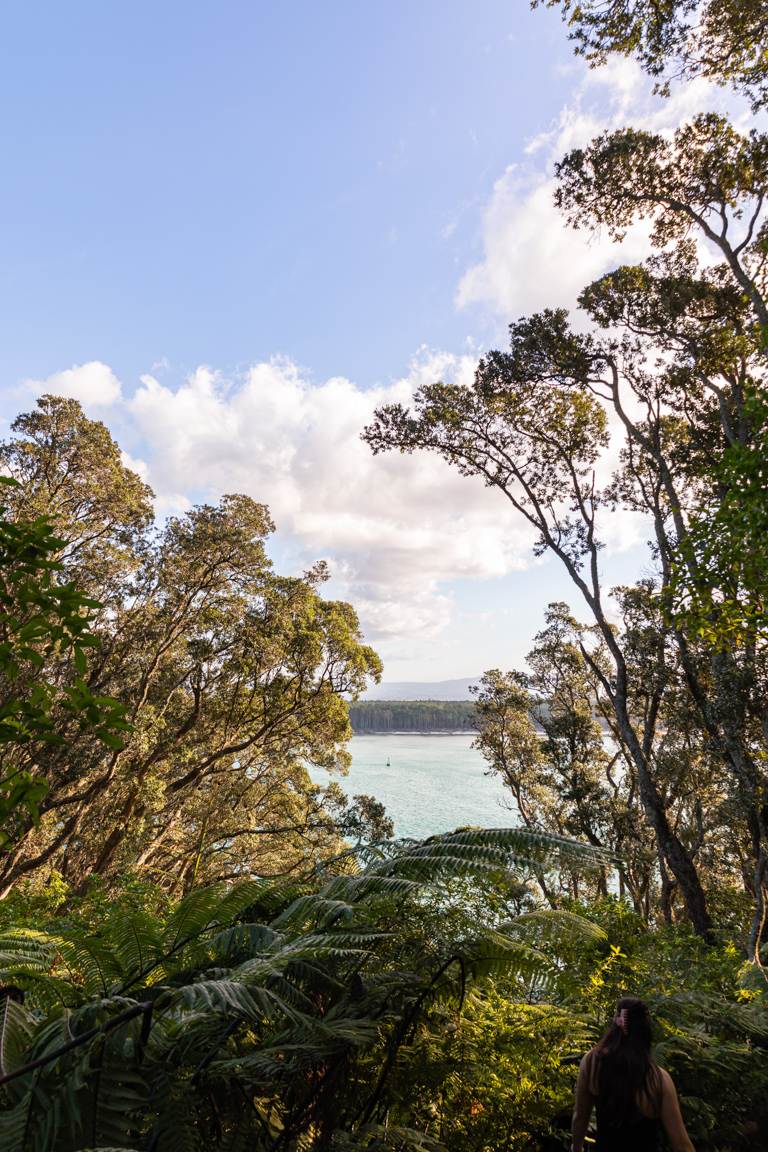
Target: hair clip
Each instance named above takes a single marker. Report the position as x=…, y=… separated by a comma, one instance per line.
x=621, y=1019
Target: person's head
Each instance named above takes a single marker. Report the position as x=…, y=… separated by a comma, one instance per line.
x=625, y=1069
x=631, y=1024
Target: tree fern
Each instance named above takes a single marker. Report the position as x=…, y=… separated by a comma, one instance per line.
x=214, y=1030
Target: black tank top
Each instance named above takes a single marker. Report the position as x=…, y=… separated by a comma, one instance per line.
x=636, y=1134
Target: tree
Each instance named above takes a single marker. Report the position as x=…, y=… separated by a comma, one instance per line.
x=551, y=735
x=675, y=349
x=541, y=733
x=702, y=440
x=70, y=470
x=718, y=588
x=723, y=40
x=539, y=448
x=234, y=678
x=45, y=624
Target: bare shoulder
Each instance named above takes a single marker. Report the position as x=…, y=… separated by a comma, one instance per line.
x=669, y=1099
x=667, y=1083
x=588, y=1069
x=671, y=1116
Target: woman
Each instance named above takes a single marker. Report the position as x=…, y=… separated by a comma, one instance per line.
x=634, y=1098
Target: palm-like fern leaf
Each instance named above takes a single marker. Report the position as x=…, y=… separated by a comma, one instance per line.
x=251, y=1023
x=16, y=1030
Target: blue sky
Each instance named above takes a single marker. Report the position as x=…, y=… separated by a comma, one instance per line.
x=219, y=183
x=229, y=229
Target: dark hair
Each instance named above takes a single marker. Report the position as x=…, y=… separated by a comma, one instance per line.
x=625, y=1070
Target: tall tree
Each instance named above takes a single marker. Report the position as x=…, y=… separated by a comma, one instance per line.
x=674, y=351
x=541, y=733
x=234, y=678
x=695, y=460
x=551, y=735
x=70, y=470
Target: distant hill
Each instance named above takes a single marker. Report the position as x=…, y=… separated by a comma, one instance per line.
x=422, y=690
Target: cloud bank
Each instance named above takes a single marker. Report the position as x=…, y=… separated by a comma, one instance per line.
x=530, y=258
x=394, y=528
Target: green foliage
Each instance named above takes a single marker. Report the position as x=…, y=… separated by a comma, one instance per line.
x=675, y=352
x=235, y=679
x=499, y=1076
x=394, y=1007
x=544, y=733
x=45, y=620
x=251, y=1011
x=726, y=601
x=711, y=1032
x=723, y=40
x=380, y=995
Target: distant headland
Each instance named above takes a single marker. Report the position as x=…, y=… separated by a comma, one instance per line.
x=423, y=716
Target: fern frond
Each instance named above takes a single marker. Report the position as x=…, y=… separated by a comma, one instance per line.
x=16, y=1030
x=90, y=962
x=119, y=1095
x=553, y=920
x=231, y=943
x=194, y=914
x=251, y=1001
x=215, y=906
x=24, y=950
x=137, y=944
x=176, y=1129
x=15, y=1124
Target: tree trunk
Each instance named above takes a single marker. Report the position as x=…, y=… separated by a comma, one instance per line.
x=759, y=927
x=667, y=891
x=669, y=845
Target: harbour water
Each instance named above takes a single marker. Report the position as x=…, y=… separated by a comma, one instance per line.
x=428, y=784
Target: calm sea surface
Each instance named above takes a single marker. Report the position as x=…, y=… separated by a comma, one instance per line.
x=428, y=784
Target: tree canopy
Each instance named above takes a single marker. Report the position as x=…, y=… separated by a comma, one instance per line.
x=672, y=366
x=233, y=677
x=45, y=627
x=723, y=40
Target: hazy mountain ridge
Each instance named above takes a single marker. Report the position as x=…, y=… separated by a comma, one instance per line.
x=422, y=690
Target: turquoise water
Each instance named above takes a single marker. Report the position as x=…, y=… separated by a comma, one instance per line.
x=428, y=784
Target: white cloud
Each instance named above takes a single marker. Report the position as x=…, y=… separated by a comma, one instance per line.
x=394, y=528
x=531, y=258
x=166, y=503
x=94, y=384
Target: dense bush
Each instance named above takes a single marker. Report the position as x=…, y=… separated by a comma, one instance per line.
x=399, y=1006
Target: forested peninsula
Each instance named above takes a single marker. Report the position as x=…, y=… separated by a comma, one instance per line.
x=369, y=716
